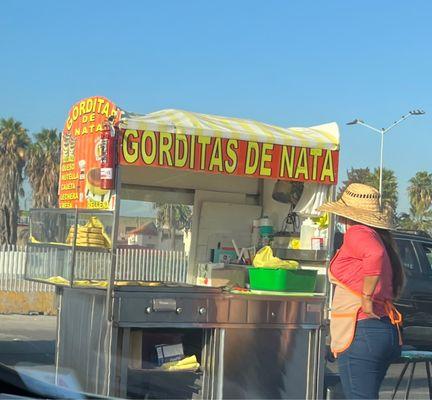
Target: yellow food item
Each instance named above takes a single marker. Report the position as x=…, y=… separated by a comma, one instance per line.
x=90, y=237
x=90, y=242
x=185, y=361
x=86, y=230
x=187, y=364
x=92, y=234
x=58, y=280
x=187, y=367
x=295, y=244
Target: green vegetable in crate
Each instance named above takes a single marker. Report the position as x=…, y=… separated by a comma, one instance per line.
x=265, y=259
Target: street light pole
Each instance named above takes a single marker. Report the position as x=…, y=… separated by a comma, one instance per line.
x=383, y=131
x=381, y=167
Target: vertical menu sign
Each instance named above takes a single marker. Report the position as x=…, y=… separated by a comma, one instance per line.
x=81, y=153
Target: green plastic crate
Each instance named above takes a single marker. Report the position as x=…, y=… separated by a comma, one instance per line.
x=283, y=280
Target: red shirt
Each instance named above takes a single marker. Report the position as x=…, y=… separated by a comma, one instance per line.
x=364, y=254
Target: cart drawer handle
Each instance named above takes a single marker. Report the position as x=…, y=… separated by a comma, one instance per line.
x=164, y=305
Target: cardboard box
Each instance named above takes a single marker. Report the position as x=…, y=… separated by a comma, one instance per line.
x=219, y=275
x=169, y=352
x=143, y=353
x=205, y=273
x=224, y=256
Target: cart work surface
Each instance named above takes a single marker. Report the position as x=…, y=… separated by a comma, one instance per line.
x=275, y=293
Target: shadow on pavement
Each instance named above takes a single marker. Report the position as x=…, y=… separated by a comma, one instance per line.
x=28, y=352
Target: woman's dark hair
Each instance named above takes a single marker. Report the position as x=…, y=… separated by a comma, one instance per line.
x=395, y=260
x=393, y=253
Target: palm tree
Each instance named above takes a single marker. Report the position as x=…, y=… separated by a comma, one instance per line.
x=175, y=217
x=365, y=176
x=390, y=188
x=356, y=175
x=415, y=220
x=43, y=167
x=14, y=142
x=420, y=195
x=420, y=191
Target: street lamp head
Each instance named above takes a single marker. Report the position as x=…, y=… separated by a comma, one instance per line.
x=417, y=112
x=355, y=122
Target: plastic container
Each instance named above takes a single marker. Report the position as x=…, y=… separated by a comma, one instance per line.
x=317, y=242
x=265, y=221
x=282, y=280
x=307, y=232
x=265, y=231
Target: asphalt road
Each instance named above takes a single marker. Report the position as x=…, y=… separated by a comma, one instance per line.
x=29, y=341
x=419, y=387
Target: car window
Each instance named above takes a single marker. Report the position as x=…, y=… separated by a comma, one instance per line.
x=427, y=264
x=408, y=255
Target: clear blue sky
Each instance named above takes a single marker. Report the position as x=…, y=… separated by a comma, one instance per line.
x=290, y=63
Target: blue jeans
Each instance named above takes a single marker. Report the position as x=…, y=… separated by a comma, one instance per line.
x=362, y=367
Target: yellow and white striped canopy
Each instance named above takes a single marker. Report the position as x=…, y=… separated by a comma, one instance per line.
x=324, y=136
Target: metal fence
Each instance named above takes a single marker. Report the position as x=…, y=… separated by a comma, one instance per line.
x=12, y=266
x=47, y=262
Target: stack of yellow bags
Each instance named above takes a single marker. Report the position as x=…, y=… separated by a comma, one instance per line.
x=187, y=364
x=92, y=234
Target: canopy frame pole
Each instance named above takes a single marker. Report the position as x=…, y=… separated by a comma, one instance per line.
x=330, y=245
x=114, y=235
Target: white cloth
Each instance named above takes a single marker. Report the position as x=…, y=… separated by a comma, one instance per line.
x=313, y=196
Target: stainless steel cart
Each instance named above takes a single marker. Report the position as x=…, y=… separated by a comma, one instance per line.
x=248, y=346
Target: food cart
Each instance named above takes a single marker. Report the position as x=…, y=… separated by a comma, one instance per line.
x=122, y=309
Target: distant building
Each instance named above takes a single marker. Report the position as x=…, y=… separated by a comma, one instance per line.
x=147, y=236
x=150, y=237
x=23, y=227
x=127, y=225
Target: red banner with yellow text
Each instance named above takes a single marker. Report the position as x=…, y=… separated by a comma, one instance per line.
x=81, y=152
x=228, y=156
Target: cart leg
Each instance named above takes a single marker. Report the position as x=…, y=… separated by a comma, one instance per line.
x=427, y=364
x=400, y=379
x=124, y=362
x=410, y=380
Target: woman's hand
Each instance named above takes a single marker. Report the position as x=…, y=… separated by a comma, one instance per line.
x=367, y=307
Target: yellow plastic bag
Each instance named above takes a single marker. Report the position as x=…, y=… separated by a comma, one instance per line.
x=265, y=259
x=322, y=221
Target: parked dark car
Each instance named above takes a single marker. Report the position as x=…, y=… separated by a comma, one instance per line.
x=415, y=302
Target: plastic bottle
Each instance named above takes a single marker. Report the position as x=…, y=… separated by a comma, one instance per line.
x=307, y=232
x=324, y=235
x=255, y=235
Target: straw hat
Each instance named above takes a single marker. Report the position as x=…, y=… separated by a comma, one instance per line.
x=360, y=203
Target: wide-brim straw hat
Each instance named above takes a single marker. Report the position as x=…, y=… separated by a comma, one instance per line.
x=360, y=203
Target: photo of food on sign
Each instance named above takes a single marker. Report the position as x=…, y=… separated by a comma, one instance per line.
x=86, y=179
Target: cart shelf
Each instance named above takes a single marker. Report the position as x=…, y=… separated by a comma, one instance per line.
x=301, y=255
